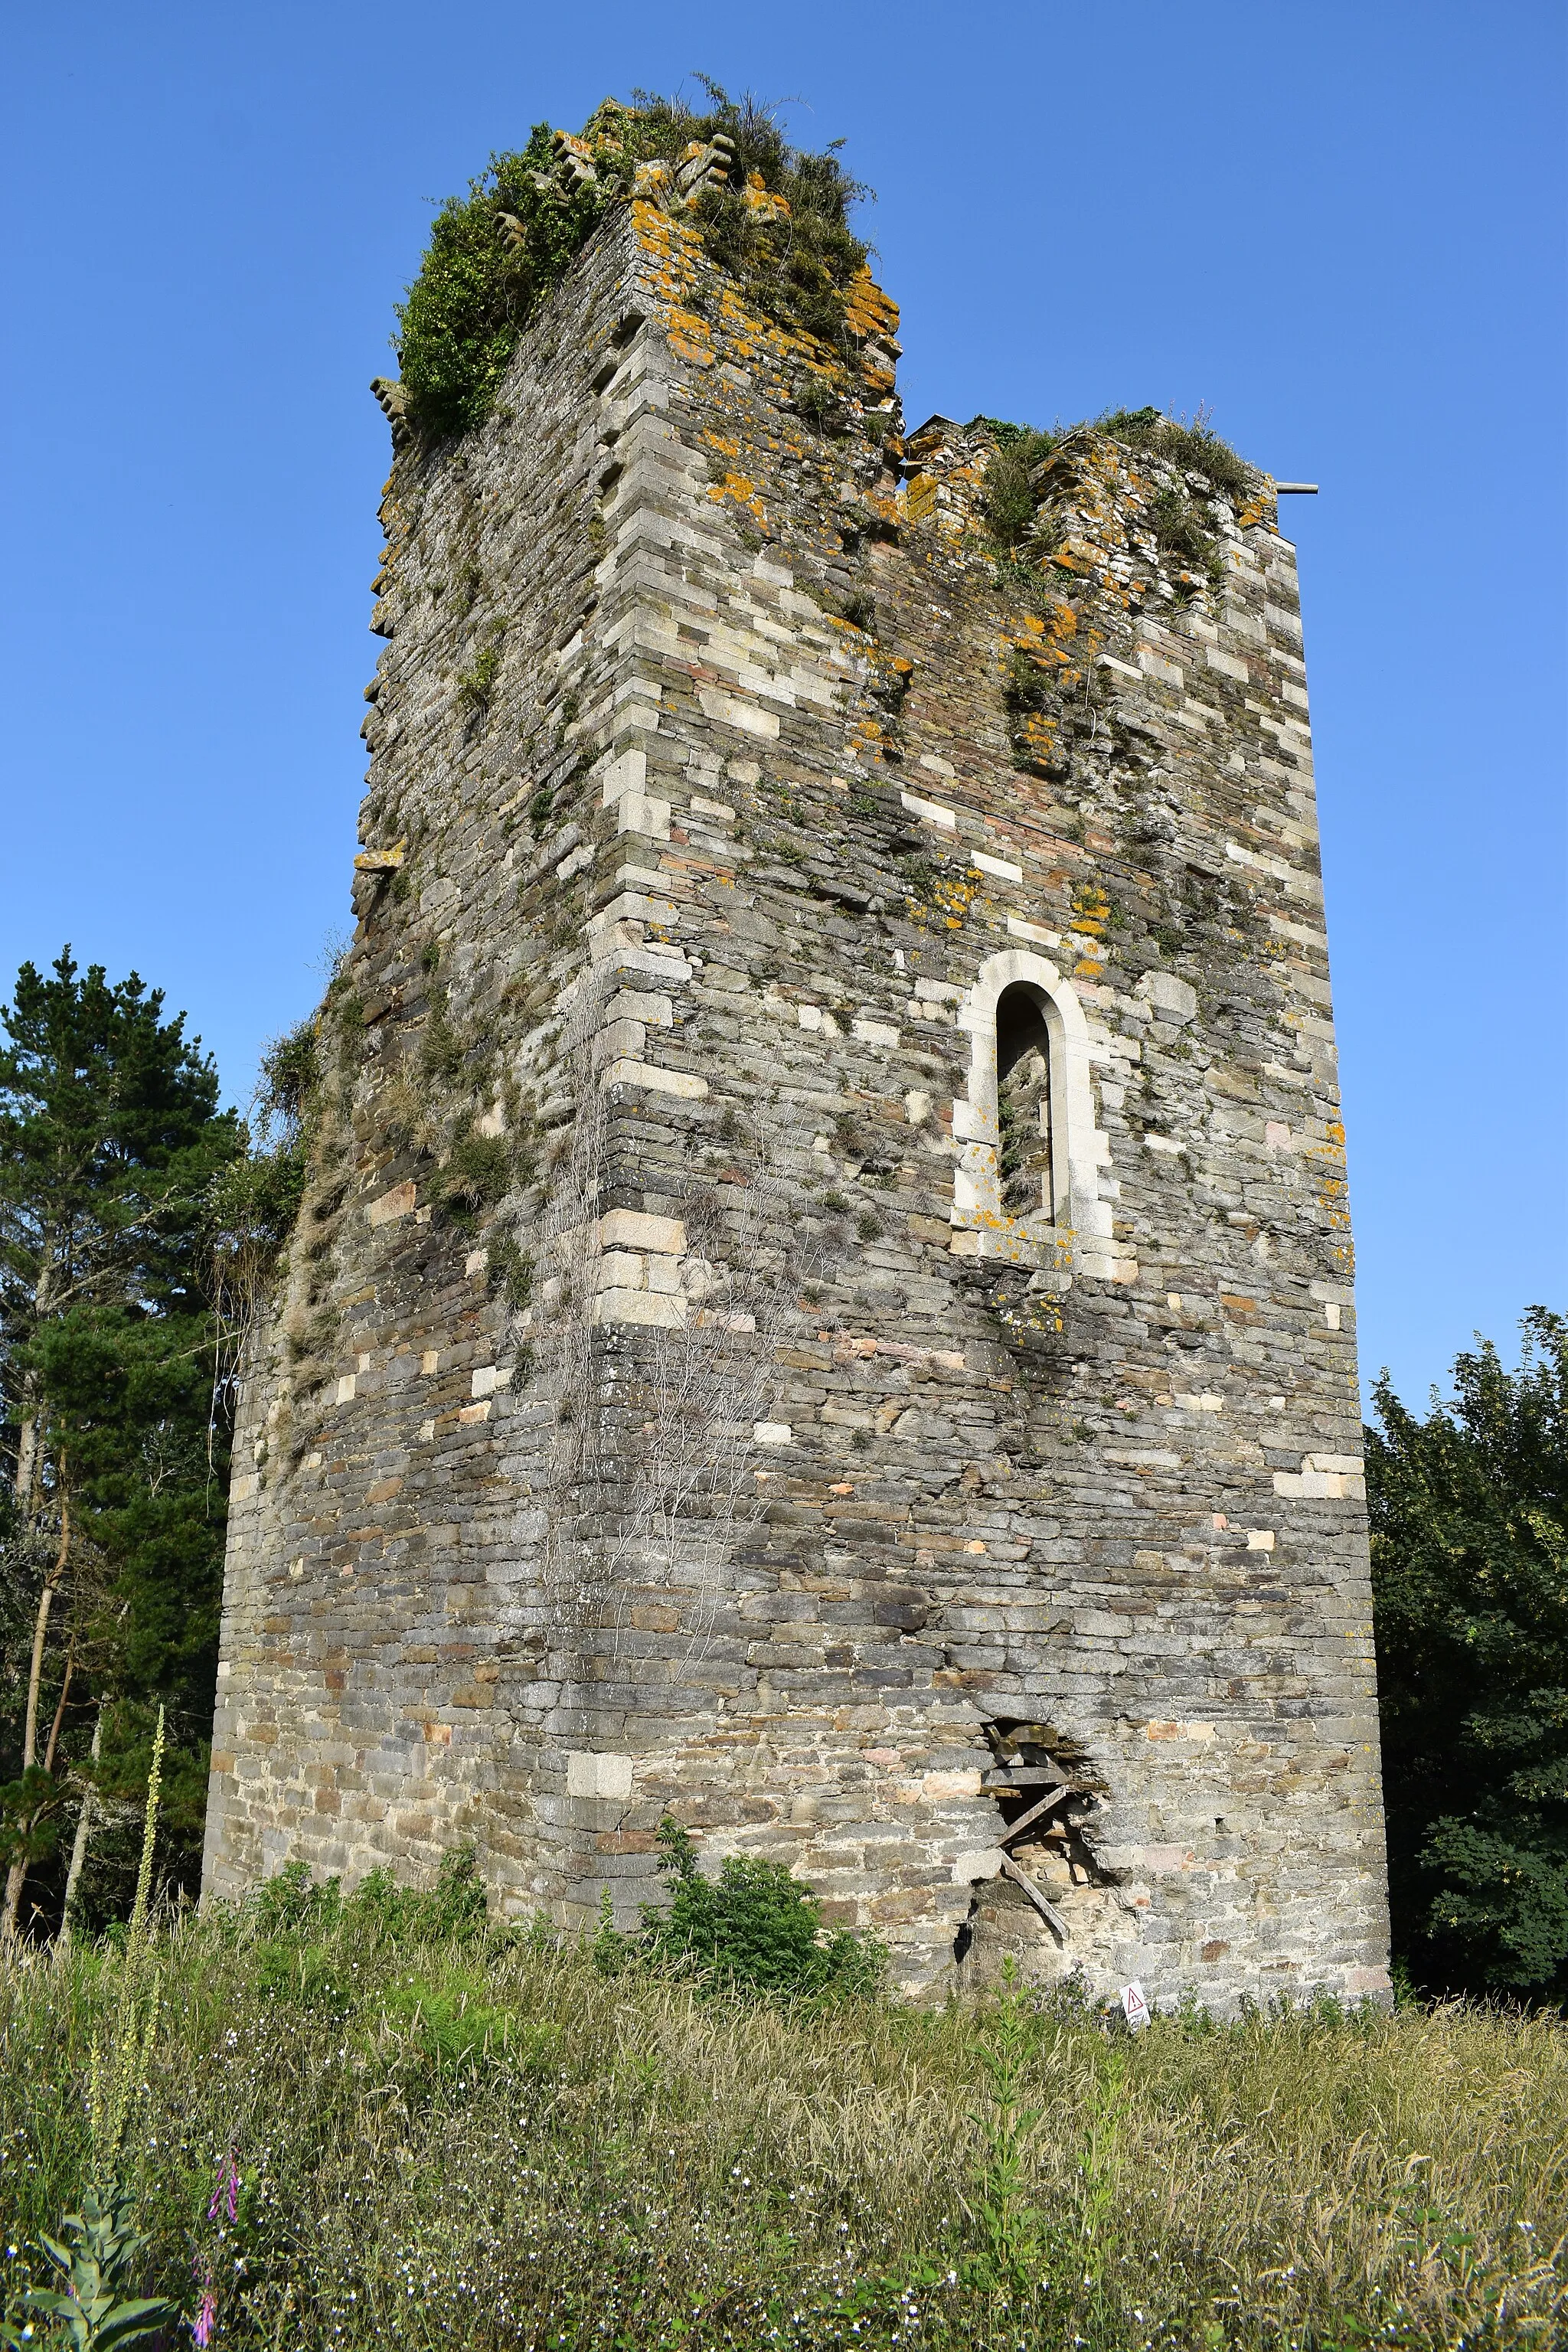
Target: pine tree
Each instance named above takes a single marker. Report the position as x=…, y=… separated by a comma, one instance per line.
x=112, y=1473
x=1469, y=1519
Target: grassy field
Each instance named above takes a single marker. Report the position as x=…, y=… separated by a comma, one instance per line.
x=485, y=2140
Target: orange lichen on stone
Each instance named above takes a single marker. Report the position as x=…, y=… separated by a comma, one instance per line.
x=1090, y=915
x=872, y=318
x=743, y=492
x=950, y=900
x=919, y=497
x=1327, y=1160
x=761, y=202
x=886, y=507
x=1092, y=909
x=692, y=337
x=673, y=242
x=1037, y=735
x=651, y=178
x=869, y=311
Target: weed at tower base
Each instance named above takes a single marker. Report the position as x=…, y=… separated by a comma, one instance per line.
x=432, y=2129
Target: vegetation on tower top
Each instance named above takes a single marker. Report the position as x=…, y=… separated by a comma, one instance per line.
x=1193, y=463
x=777, y=219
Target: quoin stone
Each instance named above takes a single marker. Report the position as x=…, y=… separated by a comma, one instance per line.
x=823, y=1304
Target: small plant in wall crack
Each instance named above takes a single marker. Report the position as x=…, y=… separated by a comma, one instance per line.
x=511, y=1272
x=822, y=406
x=476, y=684
x=481, y=1170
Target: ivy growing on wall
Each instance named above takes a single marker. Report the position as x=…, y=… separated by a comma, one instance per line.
x=495, y=253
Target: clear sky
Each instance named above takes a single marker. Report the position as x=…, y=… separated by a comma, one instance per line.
x=1339, y=226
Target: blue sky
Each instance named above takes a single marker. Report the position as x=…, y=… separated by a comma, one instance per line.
x=1337, y=226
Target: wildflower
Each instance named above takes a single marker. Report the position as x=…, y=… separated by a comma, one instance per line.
x=225, y=2194
x=205, y=2319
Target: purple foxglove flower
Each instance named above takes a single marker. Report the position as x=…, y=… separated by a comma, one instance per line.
x=225, y=2194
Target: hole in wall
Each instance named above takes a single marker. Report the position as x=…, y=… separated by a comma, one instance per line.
x=1047, y=1788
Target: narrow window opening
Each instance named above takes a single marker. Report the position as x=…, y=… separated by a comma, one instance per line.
x=1024, y=1105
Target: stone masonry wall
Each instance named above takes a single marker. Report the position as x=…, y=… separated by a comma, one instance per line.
x=804, y=1482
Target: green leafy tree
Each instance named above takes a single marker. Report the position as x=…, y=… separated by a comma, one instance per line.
x=1470, y=1546
x=112, y=1471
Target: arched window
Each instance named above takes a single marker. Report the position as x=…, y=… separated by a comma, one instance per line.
x=1033, y=1166
x=1025, y=1177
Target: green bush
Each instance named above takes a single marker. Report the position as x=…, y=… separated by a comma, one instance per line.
x=478, y=684
x=293, y=1903
x=753, y=1928
x=251, y=1205
x=292, y=1908
x=798, y=271
x=476, y=290
x=305, y=1976
x=1006, y=499
x=477, y=1173
x=511, y=1270
x=1025, y=687
x=495, y=253
x=455, y=2024
x=289, y=1083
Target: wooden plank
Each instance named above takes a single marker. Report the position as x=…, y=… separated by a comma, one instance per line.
x=1025, y=1776
x=1045, y=1805
x=1048, y=1911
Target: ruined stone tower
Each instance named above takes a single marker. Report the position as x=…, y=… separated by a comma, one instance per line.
x=823, y=1300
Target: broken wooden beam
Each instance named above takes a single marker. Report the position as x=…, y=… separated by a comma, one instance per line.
x=1048, y=1911
x=1045, y=1805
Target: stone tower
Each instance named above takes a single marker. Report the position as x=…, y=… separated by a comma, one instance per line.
x=823, y=1300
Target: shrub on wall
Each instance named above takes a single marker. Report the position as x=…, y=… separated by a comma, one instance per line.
x=495, y=253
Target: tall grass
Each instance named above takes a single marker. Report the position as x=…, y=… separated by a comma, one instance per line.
x=453, y=2138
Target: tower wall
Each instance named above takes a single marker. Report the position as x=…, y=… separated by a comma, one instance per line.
x=813, y=1475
